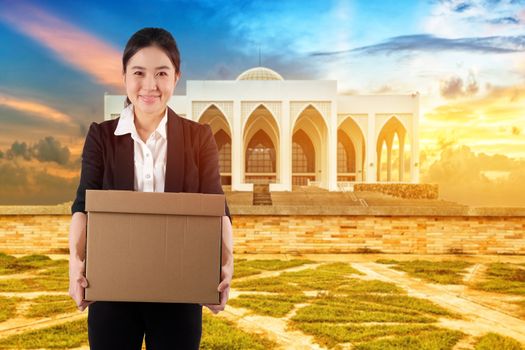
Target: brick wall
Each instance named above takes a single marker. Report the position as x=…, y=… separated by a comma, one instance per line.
x=312, y=234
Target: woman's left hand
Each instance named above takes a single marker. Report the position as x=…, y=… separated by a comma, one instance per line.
x=224, y=289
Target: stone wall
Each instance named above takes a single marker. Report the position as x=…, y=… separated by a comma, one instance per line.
x=301, y=234
x=409, y=191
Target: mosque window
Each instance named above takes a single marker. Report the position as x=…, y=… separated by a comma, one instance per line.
x=299, y=159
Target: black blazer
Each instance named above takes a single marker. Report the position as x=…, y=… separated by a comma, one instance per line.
x=192, y=163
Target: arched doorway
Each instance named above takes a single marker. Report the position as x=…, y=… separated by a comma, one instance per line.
x=309, y=148
x=261, y=138
x=222, y=134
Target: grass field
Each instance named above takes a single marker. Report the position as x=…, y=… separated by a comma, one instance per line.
x=444, y=272
x=330, y=301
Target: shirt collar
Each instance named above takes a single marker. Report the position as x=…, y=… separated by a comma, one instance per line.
x=126, y=123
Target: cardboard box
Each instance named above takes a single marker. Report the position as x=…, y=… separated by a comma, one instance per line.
x=152, y=246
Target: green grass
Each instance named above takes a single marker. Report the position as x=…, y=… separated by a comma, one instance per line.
x=217, y=334
x=49, y=275
x=325, y=277
x=491, y=341
x=353, y=286
x=443, y=272
x=503, y=278
x=329, y=334
x=442, y=339
x=35, y=284
x=8, y=308
x=407, y=303
x=245, y=267
x=10, y=264
x=268, y=305
x=370, y=308
x=49, y=305
x=63, y=336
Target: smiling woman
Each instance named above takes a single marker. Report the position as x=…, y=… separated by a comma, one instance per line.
x=149, y=148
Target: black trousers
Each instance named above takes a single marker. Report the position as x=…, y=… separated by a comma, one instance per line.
x=122, y=325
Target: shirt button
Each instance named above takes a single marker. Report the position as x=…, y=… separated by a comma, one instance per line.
x=147, y=154
x=148, y=176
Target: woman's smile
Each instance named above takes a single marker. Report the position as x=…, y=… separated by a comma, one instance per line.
x=149, y=99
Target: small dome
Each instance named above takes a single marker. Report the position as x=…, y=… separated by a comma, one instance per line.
x=259, y=73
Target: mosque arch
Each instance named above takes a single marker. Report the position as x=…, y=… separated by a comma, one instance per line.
x=391, y=151
x=220, y=128
x=351, y=151
x=261, y=147
x=310, y=135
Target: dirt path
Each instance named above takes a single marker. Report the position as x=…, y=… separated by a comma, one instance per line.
x=478, y=318
x=273, y=328
x=21, y=325
x=277, y=272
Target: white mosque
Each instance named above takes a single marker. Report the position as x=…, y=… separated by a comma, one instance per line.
x=300, y=132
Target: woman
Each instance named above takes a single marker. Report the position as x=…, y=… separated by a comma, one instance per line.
x=148, y=148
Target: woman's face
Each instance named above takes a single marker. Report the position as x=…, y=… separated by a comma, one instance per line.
x=150, y=79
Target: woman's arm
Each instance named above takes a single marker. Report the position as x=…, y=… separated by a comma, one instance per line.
x=209, y=175
x=77, y=260
x=90, y=178
x=210, y=182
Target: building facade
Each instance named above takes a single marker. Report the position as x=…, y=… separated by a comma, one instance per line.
x=300, y=132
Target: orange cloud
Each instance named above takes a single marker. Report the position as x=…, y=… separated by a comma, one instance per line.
x=71, y=44
x=35, y=108
x=492, y=123
x=463, y=176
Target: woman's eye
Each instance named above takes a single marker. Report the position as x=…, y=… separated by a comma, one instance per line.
x=138, y=73
x=162, y=73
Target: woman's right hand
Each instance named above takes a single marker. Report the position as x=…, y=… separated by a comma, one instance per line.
x=78, y=282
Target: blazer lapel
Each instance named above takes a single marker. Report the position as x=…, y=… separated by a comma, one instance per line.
x=174, y=178
x=124, y=169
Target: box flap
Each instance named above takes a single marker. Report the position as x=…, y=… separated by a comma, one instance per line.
x=180, y=203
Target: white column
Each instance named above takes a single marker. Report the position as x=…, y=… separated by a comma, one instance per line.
x=389, y=162
x=371, y=151
x=286, y=147
x=332, y=148
x=414, y=145
x=237, y=146
x=285, y=151
x=402, y=156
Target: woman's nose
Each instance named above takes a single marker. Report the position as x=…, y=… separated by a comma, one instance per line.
x=149, y=83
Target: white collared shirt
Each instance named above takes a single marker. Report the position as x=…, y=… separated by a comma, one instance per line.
x=150, y=157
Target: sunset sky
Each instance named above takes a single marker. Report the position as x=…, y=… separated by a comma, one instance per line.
x=465, y=58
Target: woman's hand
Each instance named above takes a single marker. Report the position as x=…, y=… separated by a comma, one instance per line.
x=224, y=289
x=78, y=282
x=227, y=266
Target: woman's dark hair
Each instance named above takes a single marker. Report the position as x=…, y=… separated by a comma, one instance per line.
x=151, y=37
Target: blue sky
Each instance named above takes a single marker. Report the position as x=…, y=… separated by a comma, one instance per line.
x=466, y=58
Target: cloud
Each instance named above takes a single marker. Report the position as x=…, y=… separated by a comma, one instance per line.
x=50, y=150
x=19, y=149
x=21, y=185
x=385, y=89
x=499, y=105
x=505, y=20
x=36, y=109
x=462, y=7
x=71, y=44
x=454, y=86
x=431, y=43
x=462, y=177
x=47, y=149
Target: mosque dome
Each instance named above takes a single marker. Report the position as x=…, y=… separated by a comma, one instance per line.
x=259, y=73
